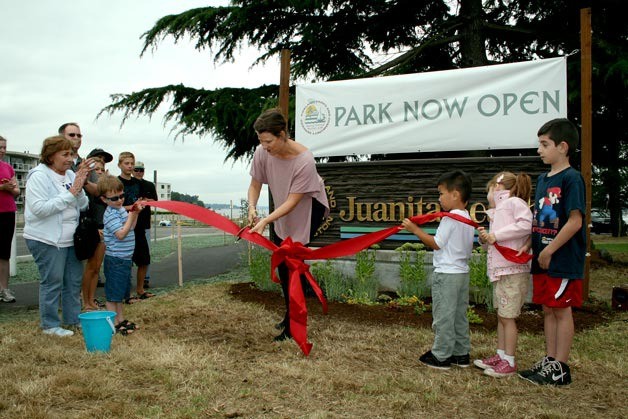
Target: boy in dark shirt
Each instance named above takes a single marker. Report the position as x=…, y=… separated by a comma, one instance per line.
x=558, y=244
x=133, y=192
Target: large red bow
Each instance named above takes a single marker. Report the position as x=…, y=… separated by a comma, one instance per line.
x=294, y=255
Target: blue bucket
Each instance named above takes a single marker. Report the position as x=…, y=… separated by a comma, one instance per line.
x=98, y=329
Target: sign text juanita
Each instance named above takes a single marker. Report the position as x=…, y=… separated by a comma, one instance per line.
x=391, y=211
x=489, y=105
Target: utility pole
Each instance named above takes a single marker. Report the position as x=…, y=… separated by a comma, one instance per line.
x=586, y=130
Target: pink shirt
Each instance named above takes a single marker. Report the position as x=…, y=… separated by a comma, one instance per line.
x=511, y=223
x=286, y=176
x=7, y=200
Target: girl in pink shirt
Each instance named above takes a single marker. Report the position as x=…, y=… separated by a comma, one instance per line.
x=511, y=226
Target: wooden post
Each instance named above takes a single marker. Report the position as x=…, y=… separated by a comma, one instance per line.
x=180, y=251
x=284, y=82
x=284, y=101
x=155, y=209
x=586, y=137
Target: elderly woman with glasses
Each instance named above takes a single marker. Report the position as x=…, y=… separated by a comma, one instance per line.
x=54, y=199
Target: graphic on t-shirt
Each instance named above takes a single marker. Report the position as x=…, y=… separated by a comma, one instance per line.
x=546, y=212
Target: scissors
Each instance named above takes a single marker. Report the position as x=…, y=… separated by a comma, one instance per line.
x=240, y=232
x=250, y=225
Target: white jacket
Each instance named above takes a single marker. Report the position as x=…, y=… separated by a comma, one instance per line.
x=45, y=204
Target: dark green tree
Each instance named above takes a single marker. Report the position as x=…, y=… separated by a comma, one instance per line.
x=191, y=199
x=341, y=39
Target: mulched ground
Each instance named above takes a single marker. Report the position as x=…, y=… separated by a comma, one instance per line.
x=531, y=319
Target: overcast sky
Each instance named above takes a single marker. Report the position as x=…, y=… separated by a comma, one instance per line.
x=61, y=59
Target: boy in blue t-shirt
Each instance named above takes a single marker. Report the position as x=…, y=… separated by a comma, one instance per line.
x=119, y=246
x=558, y=243
x=452, y=244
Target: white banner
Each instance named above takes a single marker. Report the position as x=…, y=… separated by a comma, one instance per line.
x=494, y=107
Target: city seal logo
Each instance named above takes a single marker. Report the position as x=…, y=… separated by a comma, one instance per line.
x=315, y=117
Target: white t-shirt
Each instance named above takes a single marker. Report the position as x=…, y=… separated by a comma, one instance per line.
x=455, y=240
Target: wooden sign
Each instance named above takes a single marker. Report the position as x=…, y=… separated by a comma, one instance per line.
x=369, y=196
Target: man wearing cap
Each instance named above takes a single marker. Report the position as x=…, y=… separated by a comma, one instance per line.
x=143, y=220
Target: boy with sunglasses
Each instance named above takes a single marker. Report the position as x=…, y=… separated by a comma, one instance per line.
x=119, y=244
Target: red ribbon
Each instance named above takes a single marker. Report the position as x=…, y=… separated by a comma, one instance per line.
x=293, y=254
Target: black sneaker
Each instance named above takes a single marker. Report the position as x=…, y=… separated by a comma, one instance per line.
x=431, y=361
x=462, y=361
x=285, y=335
x=536, y=368
x=146, y=283
x=281, y=325
x=554, y=373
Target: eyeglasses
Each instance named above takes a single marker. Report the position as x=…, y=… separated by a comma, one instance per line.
x=139, y=170
x=115, y=198
x=75, y=135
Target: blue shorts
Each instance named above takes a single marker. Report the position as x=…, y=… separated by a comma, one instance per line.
x=117, y=275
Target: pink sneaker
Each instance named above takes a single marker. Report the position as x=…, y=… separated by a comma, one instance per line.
x=501, y=370
x=487, y=362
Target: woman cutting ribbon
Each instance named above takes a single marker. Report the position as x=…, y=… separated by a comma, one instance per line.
x=298, y=192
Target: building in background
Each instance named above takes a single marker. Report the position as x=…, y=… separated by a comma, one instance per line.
x=21, y=163
x=163, y=191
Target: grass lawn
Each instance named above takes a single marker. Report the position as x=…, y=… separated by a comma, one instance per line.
x=202, y=353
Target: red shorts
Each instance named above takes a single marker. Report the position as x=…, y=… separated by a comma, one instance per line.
x=556, y=292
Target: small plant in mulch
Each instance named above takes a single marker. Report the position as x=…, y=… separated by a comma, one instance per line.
x=418, y=305
x=473, y=317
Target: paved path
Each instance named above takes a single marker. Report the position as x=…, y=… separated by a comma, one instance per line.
x=197, y=263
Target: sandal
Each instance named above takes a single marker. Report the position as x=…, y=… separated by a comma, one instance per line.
x=131, y=300
x=129, y=325
x=99, y=303
x=145, y=295
x=123, y=330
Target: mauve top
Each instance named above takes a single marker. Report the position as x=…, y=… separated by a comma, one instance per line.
x=286, y=176
x=7, y=200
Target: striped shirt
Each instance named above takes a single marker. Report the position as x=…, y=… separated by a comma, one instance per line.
x=113, y=221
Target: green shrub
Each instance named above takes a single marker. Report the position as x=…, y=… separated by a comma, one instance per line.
x=480, y=286
x=412, y=274
x=365, y=285
x=335, y=284
x=259, y=269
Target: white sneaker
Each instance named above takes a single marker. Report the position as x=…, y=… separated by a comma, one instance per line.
x=6, y=296
x=58, y=331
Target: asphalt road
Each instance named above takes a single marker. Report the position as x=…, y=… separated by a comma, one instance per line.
x=162, y=233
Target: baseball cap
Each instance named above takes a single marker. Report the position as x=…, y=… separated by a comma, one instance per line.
x=101, y=153
x=139, y=165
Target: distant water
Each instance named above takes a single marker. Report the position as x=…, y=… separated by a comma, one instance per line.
x=235, y=212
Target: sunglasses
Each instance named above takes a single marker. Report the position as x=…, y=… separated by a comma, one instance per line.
x=138, y=170
x=75, y=135
x=115, y=198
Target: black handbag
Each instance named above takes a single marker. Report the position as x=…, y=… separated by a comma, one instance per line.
x=86, y=237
